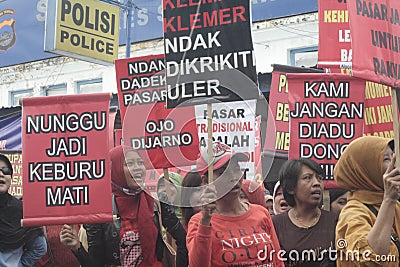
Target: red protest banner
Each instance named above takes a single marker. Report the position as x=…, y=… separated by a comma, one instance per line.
x=164, y=137
x=66, y=164
x=277, y=133
x=334, y=47
x=378, y=113
x=375, y=34
x=326, y=114
x=140, y=81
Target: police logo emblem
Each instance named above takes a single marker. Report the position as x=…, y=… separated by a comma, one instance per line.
x=7, y=29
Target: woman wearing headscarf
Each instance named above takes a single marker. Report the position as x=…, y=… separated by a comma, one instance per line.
x=280, y=205
x=367, y=167
x=19, y=246
x=134, y=240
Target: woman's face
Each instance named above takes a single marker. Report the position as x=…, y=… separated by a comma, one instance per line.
x=279, y=202
x=387, y=157
x=339, y=203
x=5, y=179
x=309, y=187
x=134, y=170
x=230, y=178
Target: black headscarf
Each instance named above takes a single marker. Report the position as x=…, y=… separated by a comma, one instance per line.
x=12, y=235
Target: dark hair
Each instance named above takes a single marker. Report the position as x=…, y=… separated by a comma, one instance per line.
x=7, y=161
x=335, y=193
x=289, y=175
x=191, y=179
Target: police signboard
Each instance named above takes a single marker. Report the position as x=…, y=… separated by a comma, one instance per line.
x=86, y=30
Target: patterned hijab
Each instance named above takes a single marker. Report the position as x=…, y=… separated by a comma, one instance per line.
x=360, y=168
x=138, y=207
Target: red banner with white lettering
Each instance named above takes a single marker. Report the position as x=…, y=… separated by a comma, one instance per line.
x=326, y=114
x=334, y=47
x=164, y=137
x=375, y=34
x=277, y=133
x=66, y=173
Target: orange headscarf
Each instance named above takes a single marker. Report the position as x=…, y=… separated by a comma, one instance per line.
x=359, y=168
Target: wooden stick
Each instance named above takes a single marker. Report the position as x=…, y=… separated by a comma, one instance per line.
x=395, y=110
x=210, y=144
x=326, y=201
x=166, y=180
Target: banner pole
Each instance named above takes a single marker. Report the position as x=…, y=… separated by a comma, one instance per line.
x=395, y=111
x=166, y=182
x=210, y=144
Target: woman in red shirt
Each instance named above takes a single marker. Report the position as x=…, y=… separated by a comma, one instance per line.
x=228, y=232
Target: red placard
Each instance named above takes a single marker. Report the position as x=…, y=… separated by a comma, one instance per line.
x=326, y=114
x=334, y=47
x=378, y=113
x=66, y=163
x=277, y=134
x=164, y=137
x=375, y=33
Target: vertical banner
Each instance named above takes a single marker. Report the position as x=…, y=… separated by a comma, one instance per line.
x=209, y=52
x=378, y=113
x=375, y=33
x=278, y=137
x=258, y=173
x=334, y=47
x=66, y=159
x=326, y=114
x=396, y=123
x=232, y=124
x=164, y=137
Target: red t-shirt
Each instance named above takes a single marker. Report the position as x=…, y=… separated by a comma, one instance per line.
x=234, y=240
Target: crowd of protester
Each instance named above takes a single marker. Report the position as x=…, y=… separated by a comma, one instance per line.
x=213, y=217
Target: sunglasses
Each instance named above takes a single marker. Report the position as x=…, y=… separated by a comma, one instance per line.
x=5, y=170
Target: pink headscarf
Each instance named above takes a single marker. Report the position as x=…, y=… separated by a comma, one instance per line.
x=139, y=207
